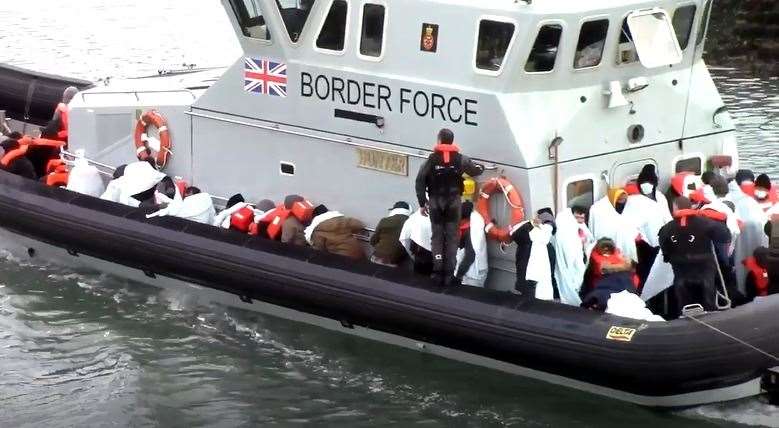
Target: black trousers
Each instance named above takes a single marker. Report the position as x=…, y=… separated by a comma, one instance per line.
x=696, y=284
x=445, y=219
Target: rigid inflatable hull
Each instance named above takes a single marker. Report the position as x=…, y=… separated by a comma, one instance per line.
x=678, y=363
x=31, y=97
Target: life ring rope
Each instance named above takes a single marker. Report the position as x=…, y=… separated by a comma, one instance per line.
x=142, y=149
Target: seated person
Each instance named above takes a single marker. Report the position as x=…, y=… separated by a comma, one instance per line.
x=332, y=232
x=294, y=226
x=609, y=272
x=133, y=183
x=85, y=178
x=15, y=161
x=199, y=207
x=416, y=238
x=387, y=249
x=758, y=282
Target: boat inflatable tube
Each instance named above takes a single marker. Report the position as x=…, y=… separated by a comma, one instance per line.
x=676, y=364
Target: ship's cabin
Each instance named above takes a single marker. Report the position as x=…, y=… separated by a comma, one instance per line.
x=523, y=37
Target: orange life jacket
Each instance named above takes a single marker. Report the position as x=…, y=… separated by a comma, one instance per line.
x=760, y=274
x=275, y=219
x=465, y=227
x=748, y=188
x=446, y=150
x=11, y=157
x=64, y=112
x=598, y=261
x=242, y=219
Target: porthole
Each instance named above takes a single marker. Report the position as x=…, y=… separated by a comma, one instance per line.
x=635, y=133
x=287, y=168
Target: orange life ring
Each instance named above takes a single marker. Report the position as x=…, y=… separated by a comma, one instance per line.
x=142, y=149
x=514, y=200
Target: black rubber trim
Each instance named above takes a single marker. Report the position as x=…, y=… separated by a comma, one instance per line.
x=662, y=359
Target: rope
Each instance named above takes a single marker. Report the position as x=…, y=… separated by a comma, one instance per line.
x=506, y=195
x=724, y=296
x=736, y=339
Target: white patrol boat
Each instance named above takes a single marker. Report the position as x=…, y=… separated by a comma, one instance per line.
x=341, y=101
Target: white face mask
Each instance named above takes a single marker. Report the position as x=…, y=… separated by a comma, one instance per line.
x=761, y=194
x=646, y=188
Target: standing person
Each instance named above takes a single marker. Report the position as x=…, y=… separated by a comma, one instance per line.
x=439, y=188
x=57, y=128
x=387, y=249
x=687, y=243
x=472, y=261
x=648, y=211
x=535, y=257
x=764, y=194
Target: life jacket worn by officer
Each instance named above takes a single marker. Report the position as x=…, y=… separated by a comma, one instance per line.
x=439, y=187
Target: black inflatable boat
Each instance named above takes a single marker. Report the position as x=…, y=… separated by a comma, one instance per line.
x=29, y=96
x=667, y=364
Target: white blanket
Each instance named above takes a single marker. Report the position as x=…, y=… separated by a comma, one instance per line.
x=198, y=208
x=539, y=268
x=85, y=178
x=628, y=305
x=570, y=252
x=138, y=177
x=661, y=276
x=606, y=222
x=477, y=273
x=752, y=235
x=417, y=229
x=647, y=216
x=317, y=221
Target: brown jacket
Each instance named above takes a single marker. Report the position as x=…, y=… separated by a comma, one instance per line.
x=292, y=232
x=336, y=236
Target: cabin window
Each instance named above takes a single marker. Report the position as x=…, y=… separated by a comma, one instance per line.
x=332, y=36
x=493, y=43
x=250, y=19
x=683, y=20
x=693, y=165
x=294, y=13
x=654, y=38
x=592, y=40
x=626, y=53
x=702, y=25
x=580, y=193
x=544, y=54
x=372, y=33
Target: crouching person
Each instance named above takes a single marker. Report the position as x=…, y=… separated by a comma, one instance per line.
x=472, y=267
x=387, y=249
x=197, y=206
x=609, y=272
x=688, y=245
x=332, y=232
x=757, y=281
x=416, y=238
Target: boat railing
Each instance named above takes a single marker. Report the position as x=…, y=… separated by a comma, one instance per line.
x=135, y=93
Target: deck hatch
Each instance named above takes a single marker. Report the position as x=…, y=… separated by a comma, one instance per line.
x=654, y=38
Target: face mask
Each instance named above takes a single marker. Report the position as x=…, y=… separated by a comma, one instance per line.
x=761, y=194
x=647, y=188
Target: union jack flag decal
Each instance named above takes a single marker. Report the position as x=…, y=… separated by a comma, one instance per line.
x=263, y=76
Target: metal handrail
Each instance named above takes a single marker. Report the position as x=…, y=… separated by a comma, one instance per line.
x=422, y=154
x=135, y=93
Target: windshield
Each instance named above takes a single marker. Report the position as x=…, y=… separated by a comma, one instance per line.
x=294, y=13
